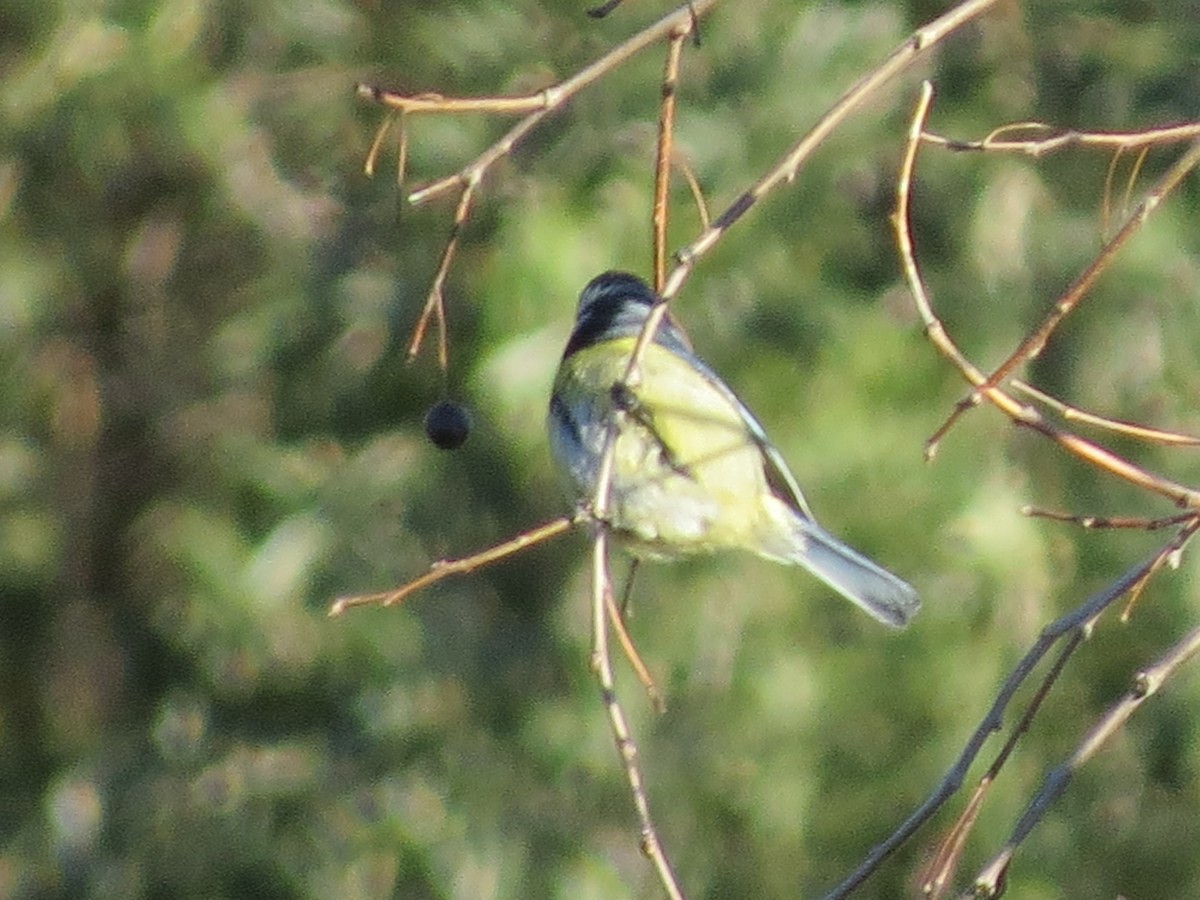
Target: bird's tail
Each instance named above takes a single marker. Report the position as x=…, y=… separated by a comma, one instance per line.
x=876, y=590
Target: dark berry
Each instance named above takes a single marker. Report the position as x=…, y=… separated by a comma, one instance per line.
x=447, y=425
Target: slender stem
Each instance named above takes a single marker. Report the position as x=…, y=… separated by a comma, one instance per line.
x=444, y=568
x=626, y=748
x=785, y=170
x=662, y=167
x=993, y=721
x=1146, y=683
x=1021, y=414
x=1129, y=429
x=1060, y=140
x=1035, y=341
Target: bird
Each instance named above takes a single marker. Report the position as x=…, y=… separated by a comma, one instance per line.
x=693, y=469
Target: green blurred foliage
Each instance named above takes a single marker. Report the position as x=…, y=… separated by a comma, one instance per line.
x=208, y=430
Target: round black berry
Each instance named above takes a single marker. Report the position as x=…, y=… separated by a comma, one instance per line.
x=447, y=425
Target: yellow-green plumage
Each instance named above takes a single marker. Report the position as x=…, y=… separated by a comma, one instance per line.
x=693, y=470
x=684, y=466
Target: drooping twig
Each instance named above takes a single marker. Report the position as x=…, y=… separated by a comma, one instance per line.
x=1036, y=340
x=377, y=146
x=534, y=108
x=1073, y=624
x=694, y=186
x=435, y=301
x=631, y=654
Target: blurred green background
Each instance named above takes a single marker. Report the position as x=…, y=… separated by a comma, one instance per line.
x=208, y=430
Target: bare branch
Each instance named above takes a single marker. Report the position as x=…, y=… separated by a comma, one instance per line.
x=993, y=721
x=446, y=567
x=1021, y=414
x=1129, y=429
x=941, y=868
x=536, y=107
x=1146, y=683
x=662, y=168
x=602, y=601
x=1075, y=624
x=1036, y=340
x=785, y=170
x=1060, y=140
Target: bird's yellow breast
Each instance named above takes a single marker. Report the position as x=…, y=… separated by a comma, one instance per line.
x=687, y=477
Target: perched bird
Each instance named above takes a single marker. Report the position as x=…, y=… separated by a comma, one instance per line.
x=694, y=471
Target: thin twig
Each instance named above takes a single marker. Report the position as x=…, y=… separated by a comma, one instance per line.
x=1106, y=206
x=662, y=167
x=1035, y=341
x=993, y=721
x=635, y=659
x=402, y=152
x=373, y=153
x=429, y=102
x=694, y=186
x=1134, y=172
x=785, y=170
x=447, y=567
x=1129, y=429
x=435, y=301
x=1060, y=140
x=1108, y=522
x=934, y=329
x=1147, y=682
x=626, y=748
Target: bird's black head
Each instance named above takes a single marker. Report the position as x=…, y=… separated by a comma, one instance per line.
x=615, y=305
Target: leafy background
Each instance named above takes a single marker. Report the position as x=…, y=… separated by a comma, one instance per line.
x=207, y=430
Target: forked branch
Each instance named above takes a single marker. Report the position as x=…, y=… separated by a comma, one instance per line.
x=1071, y=629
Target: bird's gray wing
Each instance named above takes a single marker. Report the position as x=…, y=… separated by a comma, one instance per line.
x=779, y=477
